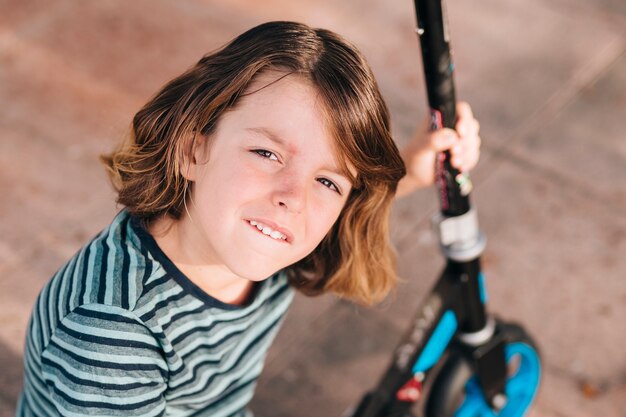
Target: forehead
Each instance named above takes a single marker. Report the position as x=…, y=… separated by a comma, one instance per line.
x=289, y=109
x=278, y=88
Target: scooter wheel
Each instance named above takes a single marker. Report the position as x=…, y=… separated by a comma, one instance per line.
x=456, y=391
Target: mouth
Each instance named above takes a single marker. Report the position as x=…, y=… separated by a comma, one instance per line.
x=271, y=230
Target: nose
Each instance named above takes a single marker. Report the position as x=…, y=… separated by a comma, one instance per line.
x=290, y=193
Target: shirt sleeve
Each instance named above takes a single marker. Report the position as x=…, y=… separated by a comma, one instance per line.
x=102, y=361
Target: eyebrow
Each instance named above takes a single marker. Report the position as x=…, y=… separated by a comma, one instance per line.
x=277, y=139
x=268, y=134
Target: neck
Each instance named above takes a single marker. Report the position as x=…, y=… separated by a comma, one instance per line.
x=179, y=240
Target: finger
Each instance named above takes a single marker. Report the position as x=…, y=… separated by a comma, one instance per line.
x=458, y=162
x=469, y=165
x=465, y=123
x=469, y=160
x=470, y=142
x=466, y=153
x=471, y=146
x=466, y=145
x=464, y=110
x=443, y=139
x=473, y=128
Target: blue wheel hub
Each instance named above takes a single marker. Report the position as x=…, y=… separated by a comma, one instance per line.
x=520, y=389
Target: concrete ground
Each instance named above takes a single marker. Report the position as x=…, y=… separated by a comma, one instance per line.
x=547, y=80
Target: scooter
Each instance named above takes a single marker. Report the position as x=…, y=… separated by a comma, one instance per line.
x=456, y=359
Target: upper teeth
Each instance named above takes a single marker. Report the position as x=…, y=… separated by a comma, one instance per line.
x=268, y=230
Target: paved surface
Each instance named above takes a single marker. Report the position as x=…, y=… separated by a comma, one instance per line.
x=546, y=78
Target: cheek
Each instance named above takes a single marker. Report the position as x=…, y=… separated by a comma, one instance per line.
x=323, y=217
x=228, y=185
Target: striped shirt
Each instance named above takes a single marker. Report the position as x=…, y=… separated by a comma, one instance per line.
x=120, y=331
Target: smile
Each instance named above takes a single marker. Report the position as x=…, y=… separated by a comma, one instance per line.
x=268, y=231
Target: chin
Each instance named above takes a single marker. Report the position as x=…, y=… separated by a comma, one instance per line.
x=255, y=275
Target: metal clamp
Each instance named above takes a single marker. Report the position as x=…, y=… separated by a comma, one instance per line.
x=481, y=336
x=459, y=236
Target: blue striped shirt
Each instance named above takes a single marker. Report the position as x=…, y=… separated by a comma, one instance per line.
x=119, y=330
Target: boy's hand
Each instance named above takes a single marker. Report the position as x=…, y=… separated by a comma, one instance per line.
x=419, y=156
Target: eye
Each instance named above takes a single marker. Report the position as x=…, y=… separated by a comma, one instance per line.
x=328, y=183
x=266, y=154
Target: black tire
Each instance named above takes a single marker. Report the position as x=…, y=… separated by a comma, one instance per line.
x=448, y=390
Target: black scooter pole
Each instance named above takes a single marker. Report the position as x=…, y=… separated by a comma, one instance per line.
x=454, y=187
x=463, y=256
x=460, y=277
x=432, y=29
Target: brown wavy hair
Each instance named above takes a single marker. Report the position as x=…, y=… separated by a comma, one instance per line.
x=355, y=260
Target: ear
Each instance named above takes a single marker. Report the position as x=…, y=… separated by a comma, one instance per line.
x=189, y=157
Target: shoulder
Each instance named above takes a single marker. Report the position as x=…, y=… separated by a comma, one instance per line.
x=110, y=270
x=115, y=266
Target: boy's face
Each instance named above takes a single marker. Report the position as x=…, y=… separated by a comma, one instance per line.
x=267, y=188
